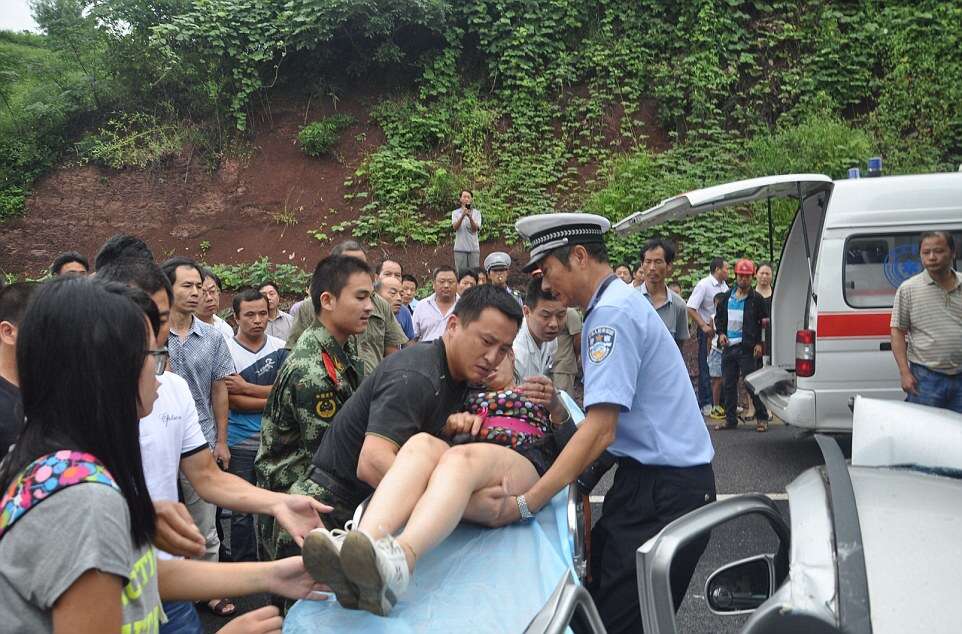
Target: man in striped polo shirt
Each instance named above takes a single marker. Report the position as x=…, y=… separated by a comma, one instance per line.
x=927, y=327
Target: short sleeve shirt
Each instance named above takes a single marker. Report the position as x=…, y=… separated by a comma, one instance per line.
x=565, y=360
x=200, y=359
x=280, y=326
x=83, y=527
x=673, y=313
x=317, y=378
x=383, y=331
x=465, y=240
x=702, y=298
x=630, y=360
x=429, y=321
x=257, y=367
x=531, y=359
x=411, y=392
x=223, y=327
x=169, y=433
x=932, y=317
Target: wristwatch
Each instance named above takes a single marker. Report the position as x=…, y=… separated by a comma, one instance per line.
x=523, y=508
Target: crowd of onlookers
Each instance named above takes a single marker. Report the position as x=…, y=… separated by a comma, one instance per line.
x=240, y=431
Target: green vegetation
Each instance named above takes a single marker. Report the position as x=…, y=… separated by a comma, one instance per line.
x=290, y=279
x=603, y=105
x=319, y=138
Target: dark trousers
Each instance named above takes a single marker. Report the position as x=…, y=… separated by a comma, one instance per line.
x=737, y=362
x=704, y=380
x=642, y=501
x=243, y=543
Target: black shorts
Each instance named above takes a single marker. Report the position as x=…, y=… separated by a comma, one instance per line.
x=541, y=453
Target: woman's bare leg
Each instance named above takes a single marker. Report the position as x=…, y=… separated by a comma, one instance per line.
x=462, y=471
x=402, y=485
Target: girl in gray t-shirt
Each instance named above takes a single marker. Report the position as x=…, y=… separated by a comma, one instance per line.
x=76, y=522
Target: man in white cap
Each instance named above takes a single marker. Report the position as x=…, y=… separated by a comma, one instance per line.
x=496, y=267
x=640, y=406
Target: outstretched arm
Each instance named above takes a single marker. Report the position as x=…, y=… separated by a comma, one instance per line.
x=189, y=580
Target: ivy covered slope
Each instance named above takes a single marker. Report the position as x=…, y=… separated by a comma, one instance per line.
x=602, y=105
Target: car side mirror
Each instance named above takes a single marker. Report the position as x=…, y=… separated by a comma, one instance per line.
x=742, y=586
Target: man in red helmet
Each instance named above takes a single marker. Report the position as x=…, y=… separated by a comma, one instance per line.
x=739, y=326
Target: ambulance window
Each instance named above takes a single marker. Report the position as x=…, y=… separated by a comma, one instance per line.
x=876, y=265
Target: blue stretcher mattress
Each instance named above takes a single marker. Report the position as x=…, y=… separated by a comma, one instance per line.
x=478, y=580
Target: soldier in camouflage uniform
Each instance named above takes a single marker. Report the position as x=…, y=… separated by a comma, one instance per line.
x=320, y=374
x=312, y=385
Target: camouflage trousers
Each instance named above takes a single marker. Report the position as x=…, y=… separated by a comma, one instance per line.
x=276, y=543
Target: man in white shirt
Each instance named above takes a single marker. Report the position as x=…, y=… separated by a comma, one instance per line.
x=171, y=440
x=701, y=309
x=279, y=323
x=210, y=303
x=431, y=315
x=466, y=223
x=535, y=344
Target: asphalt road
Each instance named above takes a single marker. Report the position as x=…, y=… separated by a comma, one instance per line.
x=745, y=461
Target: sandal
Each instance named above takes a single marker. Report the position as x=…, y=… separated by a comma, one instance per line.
x=761, y=426
x=222, y=607
x=722, y=427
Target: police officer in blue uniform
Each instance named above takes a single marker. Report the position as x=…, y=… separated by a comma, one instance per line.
x=640, y=407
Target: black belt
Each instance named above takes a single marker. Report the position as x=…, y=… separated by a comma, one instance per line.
x=338, y=488
x=630, y=464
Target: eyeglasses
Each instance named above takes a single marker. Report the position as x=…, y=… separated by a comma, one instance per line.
x=160, y=360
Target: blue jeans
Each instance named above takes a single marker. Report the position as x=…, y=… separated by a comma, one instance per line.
x=182, y=618
x=936, y=389
x=704, y=380
x=243, y=543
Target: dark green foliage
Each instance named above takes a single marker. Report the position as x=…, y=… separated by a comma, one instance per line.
x=607, y=105
x=320, y=137
x=290, y=279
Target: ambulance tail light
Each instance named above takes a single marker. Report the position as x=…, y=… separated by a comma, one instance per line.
x=805, y=353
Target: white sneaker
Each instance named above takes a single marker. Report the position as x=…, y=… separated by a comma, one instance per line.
x=322, y=559
x=706, y=410
x=378, y=570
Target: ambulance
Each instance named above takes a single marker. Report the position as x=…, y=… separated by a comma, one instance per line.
x=850, y=245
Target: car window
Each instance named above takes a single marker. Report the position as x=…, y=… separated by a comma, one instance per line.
x=875, y=265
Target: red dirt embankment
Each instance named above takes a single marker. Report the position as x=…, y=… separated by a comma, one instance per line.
x=234, y=214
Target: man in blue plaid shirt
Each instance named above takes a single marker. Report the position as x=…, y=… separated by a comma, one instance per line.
x=199, y=355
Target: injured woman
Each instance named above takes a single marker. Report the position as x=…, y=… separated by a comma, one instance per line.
x=500, y=445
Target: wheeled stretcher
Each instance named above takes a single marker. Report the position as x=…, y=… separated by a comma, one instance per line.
x=525, y=577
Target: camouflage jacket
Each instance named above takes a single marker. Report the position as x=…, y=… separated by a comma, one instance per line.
x=317, y=378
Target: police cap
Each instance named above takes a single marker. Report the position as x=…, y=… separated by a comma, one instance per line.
x=547, y=232
x=497, y=260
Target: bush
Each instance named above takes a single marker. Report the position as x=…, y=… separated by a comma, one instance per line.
x=290, y=279
x=133, y=140
x=443, y=189
x=820, y=143
x=319, y=138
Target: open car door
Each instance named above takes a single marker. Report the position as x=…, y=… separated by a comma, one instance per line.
x=798, y=186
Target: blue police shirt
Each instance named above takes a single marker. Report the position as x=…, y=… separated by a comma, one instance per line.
x=630, y=360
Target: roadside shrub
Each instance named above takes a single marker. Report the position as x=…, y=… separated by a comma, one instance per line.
x=133, y=140
x=290, y=279
x=319, y=138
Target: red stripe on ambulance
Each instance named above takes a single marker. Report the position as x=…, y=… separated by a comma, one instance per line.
x=854, y=324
